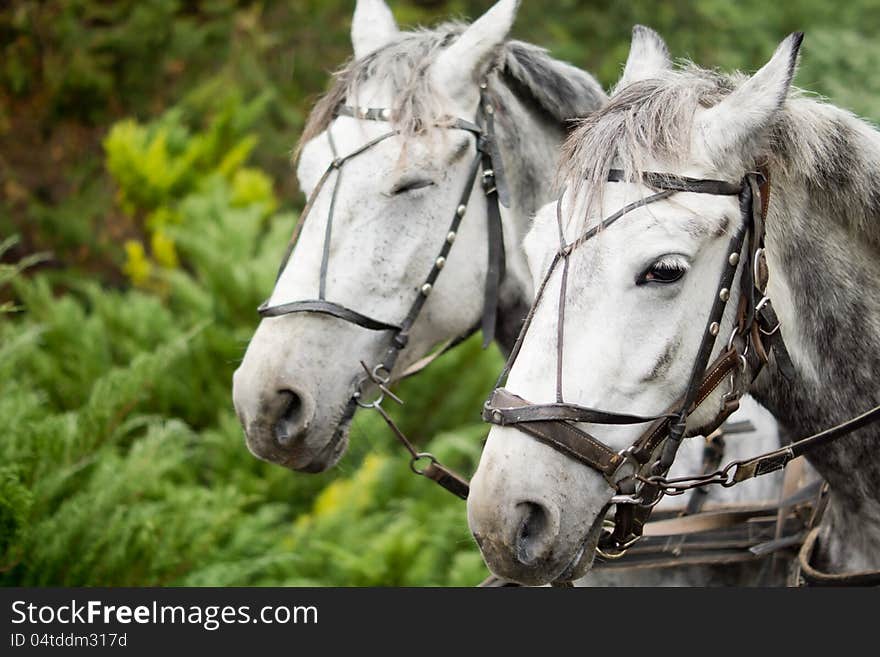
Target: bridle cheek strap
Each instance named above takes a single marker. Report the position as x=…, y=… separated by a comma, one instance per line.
x=488, y=159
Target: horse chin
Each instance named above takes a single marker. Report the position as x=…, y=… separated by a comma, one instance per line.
x=582, y=560
x=332, y=453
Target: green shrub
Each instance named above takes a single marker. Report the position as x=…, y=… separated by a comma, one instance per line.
x=124, y=463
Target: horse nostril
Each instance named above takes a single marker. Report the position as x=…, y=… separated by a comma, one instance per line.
x=292, y=420
x=534, y=536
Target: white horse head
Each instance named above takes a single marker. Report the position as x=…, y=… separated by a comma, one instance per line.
x=391, y=210
x=637, y=300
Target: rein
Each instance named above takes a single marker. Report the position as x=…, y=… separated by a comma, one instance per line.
x=488, y=161
x=637, y=473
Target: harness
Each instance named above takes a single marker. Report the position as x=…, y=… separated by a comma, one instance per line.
x=637, y=473
x=486, y=161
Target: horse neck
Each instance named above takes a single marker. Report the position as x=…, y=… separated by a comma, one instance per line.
x=823, y=285
x=530, y=143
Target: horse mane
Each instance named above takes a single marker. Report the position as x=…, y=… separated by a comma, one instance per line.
x=827, y=149
x=558, y=90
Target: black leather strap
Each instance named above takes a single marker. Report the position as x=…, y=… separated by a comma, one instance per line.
x=364, y=113
x=675, y=183
x=495, y=187
x=325, y=307
x=777, y=459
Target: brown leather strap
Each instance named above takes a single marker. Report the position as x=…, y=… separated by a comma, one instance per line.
x=508, y=408
x=562, y=436
x=737, y=533
x=576, y=444
x=447, y=478
x=717, y=372
x=812, y=576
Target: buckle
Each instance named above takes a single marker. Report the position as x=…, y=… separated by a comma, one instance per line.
x=489, y=185
x=760, y=273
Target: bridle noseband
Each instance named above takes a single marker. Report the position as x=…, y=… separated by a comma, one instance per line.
x=636, y=473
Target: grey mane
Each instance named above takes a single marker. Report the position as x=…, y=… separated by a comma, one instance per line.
x=825, y=148
x=558, y=90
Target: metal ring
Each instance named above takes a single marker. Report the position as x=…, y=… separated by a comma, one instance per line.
x=418, y=457
x=358, y=393
x=617, y=552
x=378, y=376
x=735, y=332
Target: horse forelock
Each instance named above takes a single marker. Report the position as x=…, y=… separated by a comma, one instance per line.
x=650, y=119
x=560, y=91
x=834, y=155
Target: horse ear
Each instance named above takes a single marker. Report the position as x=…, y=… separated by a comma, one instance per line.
x=738, y=120
x=648, y=56
x=463, y=62
x=372, y=27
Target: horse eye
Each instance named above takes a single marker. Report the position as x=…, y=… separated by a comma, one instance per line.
x=410, y=185
x=663, y=271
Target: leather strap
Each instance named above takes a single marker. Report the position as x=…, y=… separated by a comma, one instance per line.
x=812, y=576
x=726, y=362
x=507, y=408
x=564, y=437
x=675, y=183
x=448, y=479
x=327, y=308
x=492, y=178
x=772, y=461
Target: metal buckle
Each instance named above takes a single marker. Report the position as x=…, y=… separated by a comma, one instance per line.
x=763, y=302
x=619, y=550
x=489, y=184
x=756, y=275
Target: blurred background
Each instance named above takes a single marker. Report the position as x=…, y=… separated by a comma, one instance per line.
x=146, y=195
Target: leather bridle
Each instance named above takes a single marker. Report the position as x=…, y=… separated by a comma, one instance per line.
x=488, y=161
x=637, y=473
